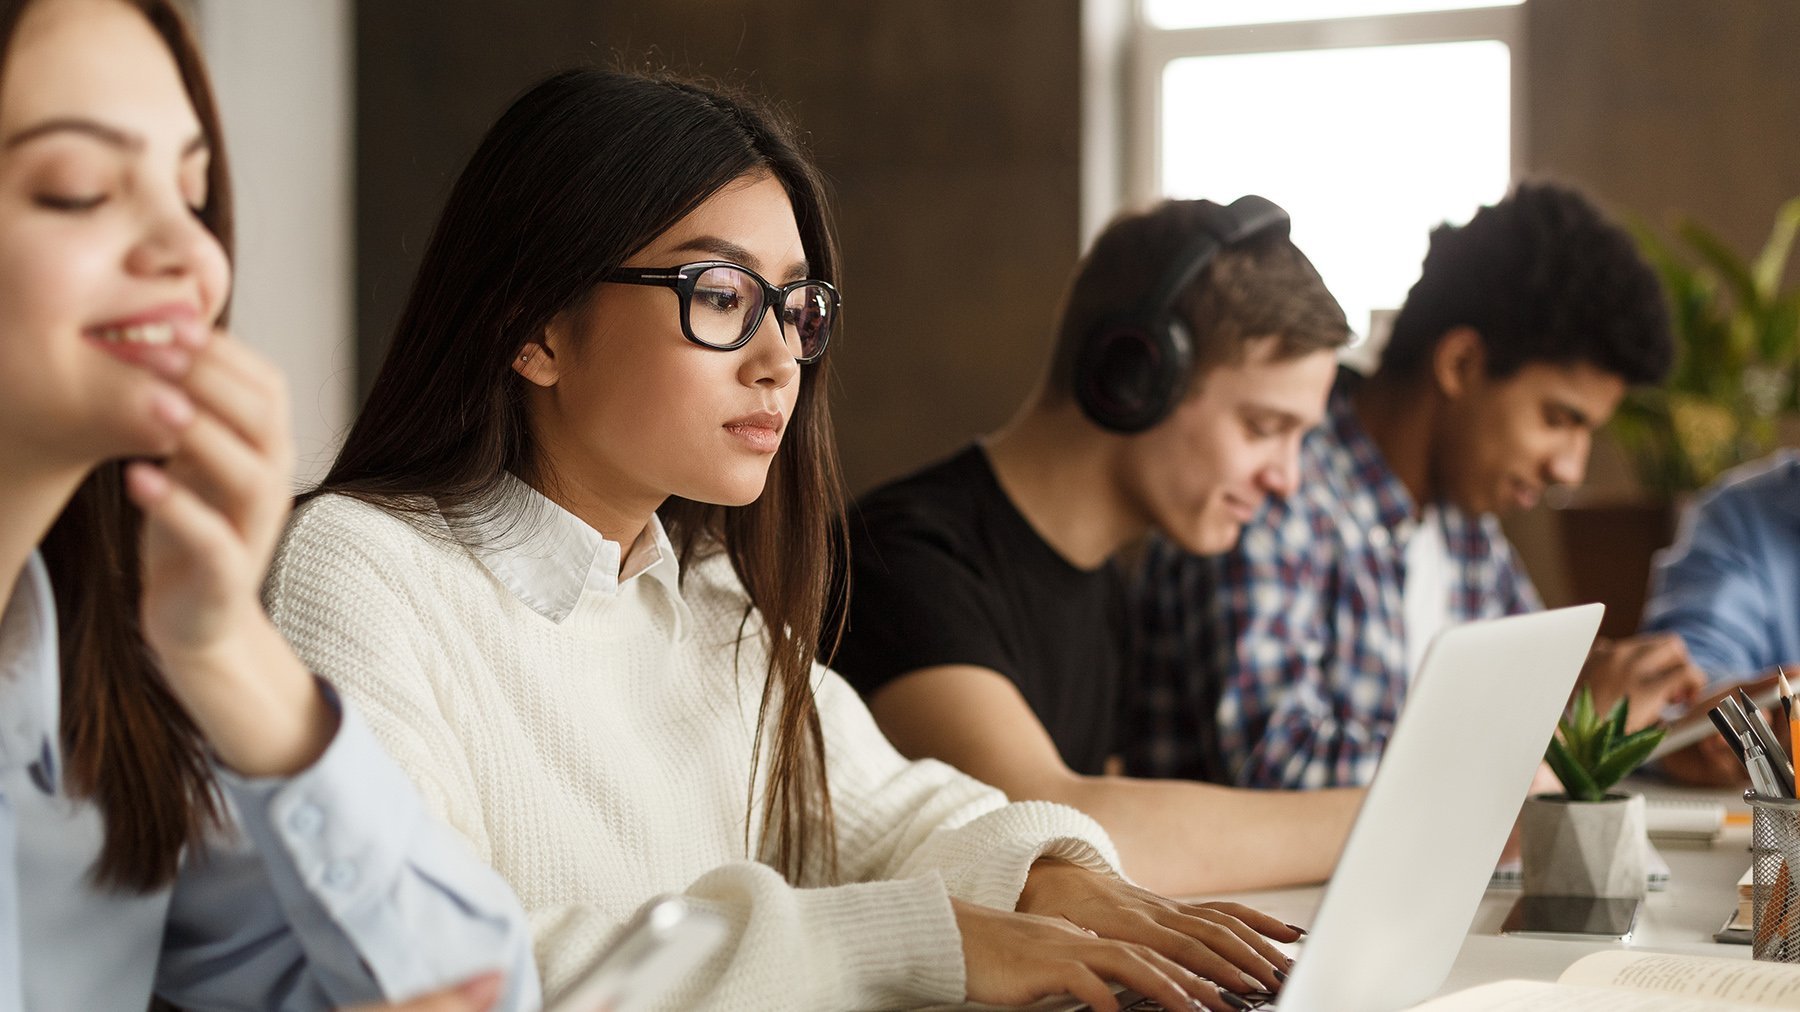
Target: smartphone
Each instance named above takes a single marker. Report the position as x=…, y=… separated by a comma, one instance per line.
x=667, y=940
x=1580, y=918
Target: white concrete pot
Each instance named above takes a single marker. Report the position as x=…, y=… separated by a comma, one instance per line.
x=1583, y=848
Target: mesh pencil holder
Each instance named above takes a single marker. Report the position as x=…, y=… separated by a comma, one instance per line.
x=1775, y=876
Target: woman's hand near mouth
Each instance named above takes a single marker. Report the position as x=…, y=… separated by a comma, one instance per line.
x=213, y=511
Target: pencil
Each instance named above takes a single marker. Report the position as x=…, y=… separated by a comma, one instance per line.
x=1787, y=707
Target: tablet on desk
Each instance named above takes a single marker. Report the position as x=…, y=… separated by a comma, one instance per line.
x=1693, y=726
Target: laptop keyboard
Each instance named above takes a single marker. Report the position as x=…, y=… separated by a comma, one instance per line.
x=1253, y=999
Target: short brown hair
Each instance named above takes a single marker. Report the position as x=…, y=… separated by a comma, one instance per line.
x=1261, y=287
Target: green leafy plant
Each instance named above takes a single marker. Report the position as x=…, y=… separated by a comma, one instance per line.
x=1590, y=753
x=1737, y=332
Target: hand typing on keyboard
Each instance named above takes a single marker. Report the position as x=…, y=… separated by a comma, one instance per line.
x=1188, y=955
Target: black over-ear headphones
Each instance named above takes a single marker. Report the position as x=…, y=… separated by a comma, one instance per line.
x=1132, y=370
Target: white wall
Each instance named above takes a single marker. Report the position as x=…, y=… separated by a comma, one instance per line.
x=282, y=69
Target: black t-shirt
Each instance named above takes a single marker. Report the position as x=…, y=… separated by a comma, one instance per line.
x=944, y=570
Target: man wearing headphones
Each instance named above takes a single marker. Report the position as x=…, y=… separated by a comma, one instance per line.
x=1284, y=662
x=987, y=619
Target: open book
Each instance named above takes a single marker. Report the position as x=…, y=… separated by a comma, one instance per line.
x=1623, y=980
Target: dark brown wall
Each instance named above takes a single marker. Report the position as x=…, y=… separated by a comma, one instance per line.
x=1660, y=109
x=431, y=75
x=948, y=129
x=1666, y=107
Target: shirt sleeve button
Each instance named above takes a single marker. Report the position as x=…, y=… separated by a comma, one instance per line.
x=340, y=874
x=306, y=820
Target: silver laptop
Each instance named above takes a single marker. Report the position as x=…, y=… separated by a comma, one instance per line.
x=1476, y=721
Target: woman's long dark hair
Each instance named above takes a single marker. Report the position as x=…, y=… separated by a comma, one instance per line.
x=582, y=171
x=129, y=746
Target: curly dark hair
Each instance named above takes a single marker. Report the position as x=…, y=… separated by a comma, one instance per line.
x=1542, y=276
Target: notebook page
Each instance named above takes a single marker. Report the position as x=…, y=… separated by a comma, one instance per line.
x=1536, y=996
x=1765, y=985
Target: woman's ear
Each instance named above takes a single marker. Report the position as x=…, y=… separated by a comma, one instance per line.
x=1459, y=361
x=538, y=360
x=536, y=363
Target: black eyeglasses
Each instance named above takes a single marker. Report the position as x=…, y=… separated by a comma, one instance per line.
x=722, y=304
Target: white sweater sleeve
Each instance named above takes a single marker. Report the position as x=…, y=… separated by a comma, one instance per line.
x=350, y=614
x=911, y=835
x=898, y=818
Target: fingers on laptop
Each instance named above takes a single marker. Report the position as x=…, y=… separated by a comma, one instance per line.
x=1219, y=946
x=1014, y=959
x=1149, y=973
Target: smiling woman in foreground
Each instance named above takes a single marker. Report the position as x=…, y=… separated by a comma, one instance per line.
x=184, y=808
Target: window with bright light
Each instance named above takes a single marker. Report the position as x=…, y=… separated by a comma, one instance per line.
x=1212, y=13
x=1368, y=147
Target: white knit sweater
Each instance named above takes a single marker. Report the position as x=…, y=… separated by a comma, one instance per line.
x=590, y=738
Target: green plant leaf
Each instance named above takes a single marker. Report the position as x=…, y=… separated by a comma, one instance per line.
x=1654, y=731
x=1779, y=339
x=1732, y=268
x=1590, y=752
x=1737, y=363
x=1625, y=758
x=1770, y=265
x=1614, y=730
x=1575, y=780
x=1582, y=721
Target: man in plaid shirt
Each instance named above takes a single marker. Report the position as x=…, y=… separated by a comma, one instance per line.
x=1284, y=662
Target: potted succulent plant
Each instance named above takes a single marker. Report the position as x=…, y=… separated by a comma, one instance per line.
x=1590, y=840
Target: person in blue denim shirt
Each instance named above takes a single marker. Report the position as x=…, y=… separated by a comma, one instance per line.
x=1730, y=588
x=184, y=809
x=1730, y=585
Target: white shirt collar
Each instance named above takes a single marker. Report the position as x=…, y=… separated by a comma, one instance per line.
x=30, y=678
x=549, y=558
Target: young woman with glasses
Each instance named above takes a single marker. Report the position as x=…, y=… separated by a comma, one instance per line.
x=184, y=808
x=573, y=560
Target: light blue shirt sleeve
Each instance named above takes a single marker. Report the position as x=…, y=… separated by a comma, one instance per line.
x=28, y=706
x=340, y=888
x=1730, y=585
x=12, y=976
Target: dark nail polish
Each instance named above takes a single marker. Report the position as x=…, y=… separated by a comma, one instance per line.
x=1234, y=1001
x=1297, y=929
x=1281, y=975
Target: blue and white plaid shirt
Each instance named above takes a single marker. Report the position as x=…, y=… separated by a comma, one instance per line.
x=1282, y=663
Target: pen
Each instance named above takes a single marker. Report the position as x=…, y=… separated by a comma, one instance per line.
x=1734, y=715
x=1740, y=729
x=1726, y=731
x=1762, y=778
x=1772, y=750
x=1787, y=706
